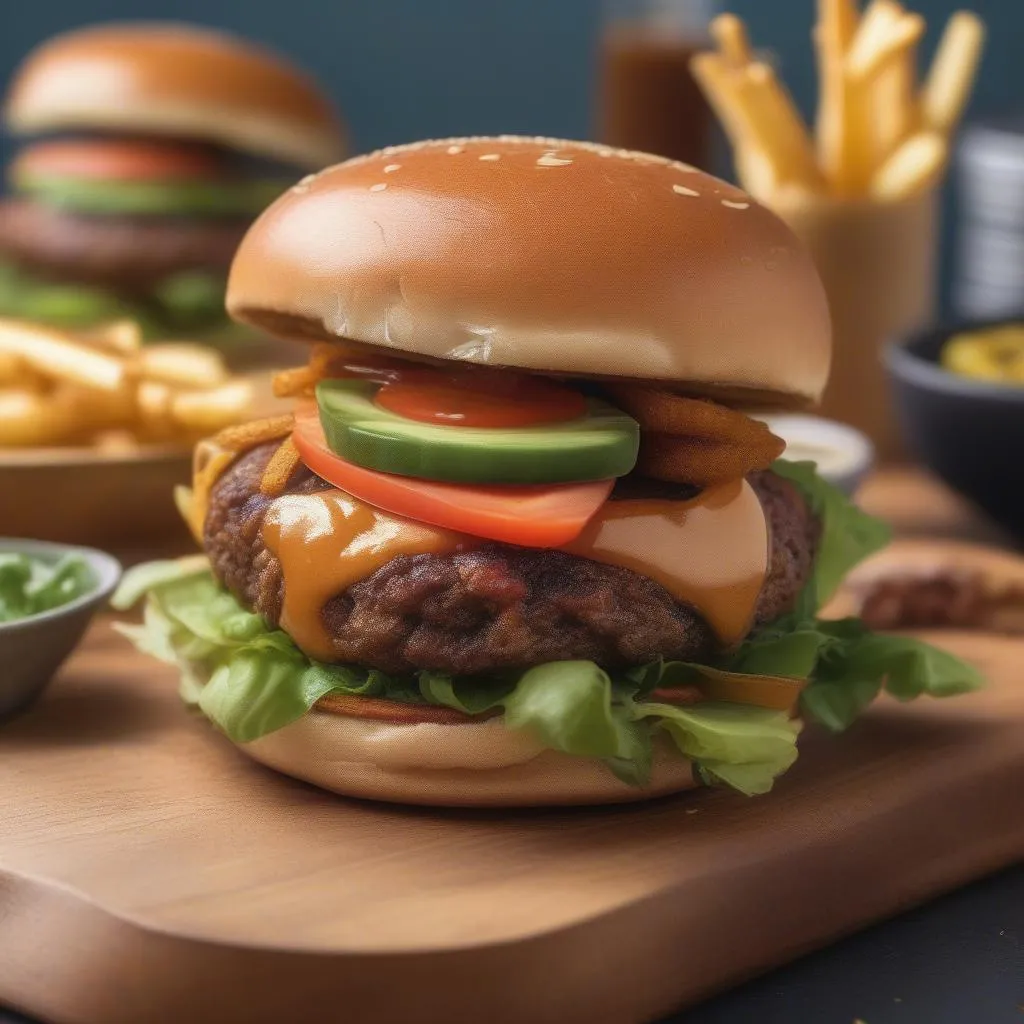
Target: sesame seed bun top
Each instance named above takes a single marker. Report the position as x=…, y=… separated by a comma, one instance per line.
x=547, y=255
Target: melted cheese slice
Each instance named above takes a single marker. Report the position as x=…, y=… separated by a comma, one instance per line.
x=328, y=541
x=710, y=553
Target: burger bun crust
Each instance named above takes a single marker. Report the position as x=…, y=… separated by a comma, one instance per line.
x=473, y=765
x=178, y=81
x=546, y=255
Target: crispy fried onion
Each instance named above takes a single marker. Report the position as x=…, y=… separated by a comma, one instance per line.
x=212, y=457
x=693, y=440
x=279, y=469
x=325, y=359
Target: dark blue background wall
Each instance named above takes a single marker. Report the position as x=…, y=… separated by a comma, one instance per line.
x=404, y=69
x=415, y=68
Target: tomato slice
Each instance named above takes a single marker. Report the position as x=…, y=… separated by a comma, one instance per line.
x=476, y=402
x=118, y=160
x=536, y=517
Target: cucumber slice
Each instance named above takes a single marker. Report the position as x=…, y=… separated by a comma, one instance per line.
x=159, y=198
x=601, y=445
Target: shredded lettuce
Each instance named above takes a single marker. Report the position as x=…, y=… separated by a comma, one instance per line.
x=251, y=679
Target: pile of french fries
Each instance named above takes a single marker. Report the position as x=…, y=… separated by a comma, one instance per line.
x=880, y=134
x=104, y=388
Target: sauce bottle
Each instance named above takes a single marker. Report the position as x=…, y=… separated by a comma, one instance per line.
x=647, y=98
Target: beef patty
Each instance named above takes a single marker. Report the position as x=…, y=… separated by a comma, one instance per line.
x=127, y=253
x=497, y=606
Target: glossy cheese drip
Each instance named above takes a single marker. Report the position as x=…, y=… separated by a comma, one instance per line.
x=711, y=552
x=328, y=541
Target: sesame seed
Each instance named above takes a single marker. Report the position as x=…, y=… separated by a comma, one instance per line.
x=491, y=156
x=682, y=190
x=452, y=150
x=678, y=165
x=606, y=152
x=551, y=160
x=379, y=187
x=735, y=206
x=391, y=167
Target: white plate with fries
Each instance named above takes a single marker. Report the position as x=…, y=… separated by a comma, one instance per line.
x=96, y=429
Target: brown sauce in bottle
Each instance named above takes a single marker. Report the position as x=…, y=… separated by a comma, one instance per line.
x=648, y=99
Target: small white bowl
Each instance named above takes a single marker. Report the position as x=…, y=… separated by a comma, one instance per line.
x=842, y=454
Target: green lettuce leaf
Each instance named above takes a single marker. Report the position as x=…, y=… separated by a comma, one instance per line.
x=849, y=534
x=846, y=665
x=251, y=679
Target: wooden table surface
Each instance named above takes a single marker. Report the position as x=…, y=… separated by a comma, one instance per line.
x=149, y=872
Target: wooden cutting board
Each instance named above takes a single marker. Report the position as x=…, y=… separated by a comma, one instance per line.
x=148, y=871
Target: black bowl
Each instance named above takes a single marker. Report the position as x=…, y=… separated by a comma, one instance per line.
x=968, y=432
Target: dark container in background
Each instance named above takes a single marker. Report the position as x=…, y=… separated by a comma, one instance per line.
x=989, y=266
x=647, y=99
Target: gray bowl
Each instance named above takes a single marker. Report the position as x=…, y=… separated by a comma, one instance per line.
x=32, y=649
x=968, y=432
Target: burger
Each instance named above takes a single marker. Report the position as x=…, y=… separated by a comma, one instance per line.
x=522, y=541
x=157, y=145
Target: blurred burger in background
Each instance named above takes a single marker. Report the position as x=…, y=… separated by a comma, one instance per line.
x=156, y=146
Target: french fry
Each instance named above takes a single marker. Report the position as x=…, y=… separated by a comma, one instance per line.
x=102, y=387
x=896, y=37
x=730, y=34
x=121, y=337
x=96, y=410
x=880, y=20
x=951, y=76
x=756, y=174
x=837, y=120
x=182, y=364
x=773, y=107
x=838, y=20
x=28, y=419
x=153, y=401
x=728, y=93
x=13, y=370
x=720, y=87
x=893, y=108
x=206, y=411
x=56, y=355
x=912, y=168
x=887, y=77
x=115, y=442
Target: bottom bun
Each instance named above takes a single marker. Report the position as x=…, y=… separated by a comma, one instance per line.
x=473, y=765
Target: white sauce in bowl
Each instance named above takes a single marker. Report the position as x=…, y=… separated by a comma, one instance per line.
x=842, y=454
